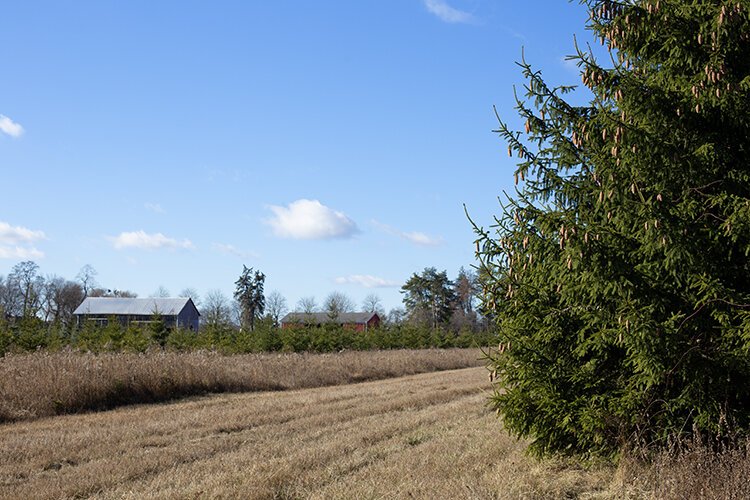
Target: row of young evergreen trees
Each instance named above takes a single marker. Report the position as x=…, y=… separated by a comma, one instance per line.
x=31, y=333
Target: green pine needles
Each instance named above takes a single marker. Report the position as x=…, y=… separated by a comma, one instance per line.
x=618, y=277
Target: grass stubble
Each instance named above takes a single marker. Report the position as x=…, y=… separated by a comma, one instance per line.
x=419, y=436
x=42, y=384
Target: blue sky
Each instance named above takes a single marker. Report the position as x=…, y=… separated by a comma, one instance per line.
x=330, y=144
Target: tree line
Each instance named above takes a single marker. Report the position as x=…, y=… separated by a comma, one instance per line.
x=430, y=300
x=37, y=311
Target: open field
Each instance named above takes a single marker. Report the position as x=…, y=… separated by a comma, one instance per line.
x=420, y=436
x=423, y=436
x=43, y=383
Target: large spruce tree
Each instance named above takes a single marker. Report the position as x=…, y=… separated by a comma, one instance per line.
x=618, y=275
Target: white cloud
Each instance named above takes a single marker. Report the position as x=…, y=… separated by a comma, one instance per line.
x=446, y=13
x=366, y=281
x=143, y=240
x=10, y=127
x=11, y=235
x=423, y=239
x=232, y=250
x=310, y=220
x=24, y=253
x=16, y=242
x=416, y=237
x=154, y=207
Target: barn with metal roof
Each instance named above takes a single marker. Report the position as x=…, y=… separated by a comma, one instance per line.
x=175, y=312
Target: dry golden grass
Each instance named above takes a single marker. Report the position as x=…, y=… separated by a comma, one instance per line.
x=43, y=384
x=694, y=471
x=421, y=436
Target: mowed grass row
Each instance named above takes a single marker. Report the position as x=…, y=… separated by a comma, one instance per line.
x=421, y=436
x=43, y=384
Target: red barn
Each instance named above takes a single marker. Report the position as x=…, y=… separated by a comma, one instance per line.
x=360, y=322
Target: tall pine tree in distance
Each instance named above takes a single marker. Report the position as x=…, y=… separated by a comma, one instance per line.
x=249, y=294
x=618, y=276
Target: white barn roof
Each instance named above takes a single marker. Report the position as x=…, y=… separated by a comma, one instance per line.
x=114, y=306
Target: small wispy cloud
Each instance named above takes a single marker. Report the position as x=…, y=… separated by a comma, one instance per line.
x=422, y=239
x=145, y=241
x=10, y=127
x=17, y=242
x=154, y=207
x=23, y=253
x=416, y=237
x=366, y=281
x=446, y=13
x=310, y=220
x=232, y=250
x=513, y=33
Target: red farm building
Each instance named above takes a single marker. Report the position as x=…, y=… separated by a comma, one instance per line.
x=356, y=321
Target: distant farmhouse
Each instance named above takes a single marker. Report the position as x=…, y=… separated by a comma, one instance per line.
x=356, y=321
x=176, y=313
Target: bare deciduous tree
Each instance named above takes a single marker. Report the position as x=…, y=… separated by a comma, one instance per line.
x=60, y=298
x=161, y=292
x=68, y=298
x=192, y=294
x=48, y=304
x=276, y=307
x=235, y=316
x=216, y=309
x=6, y=298
x=26, y=287
x=307, y=305
x=372, y=303
x=87, y=278
x=466, y=290
x=337, y=303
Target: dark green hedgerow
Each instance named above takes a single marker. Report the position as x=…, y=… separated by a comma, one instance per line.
x=32, y=334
